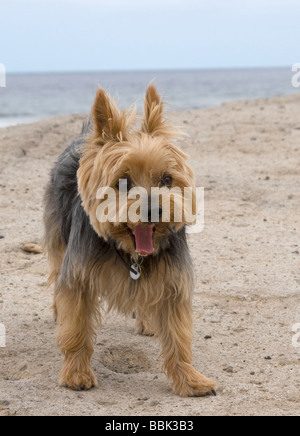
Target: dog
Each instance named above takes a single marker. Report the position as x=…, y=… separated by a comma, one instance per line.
x=141, y=267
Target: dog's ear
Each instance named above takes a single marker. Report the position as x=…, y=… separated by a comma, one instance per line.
x=154, y=122
x=109, y=122
x=153, y=112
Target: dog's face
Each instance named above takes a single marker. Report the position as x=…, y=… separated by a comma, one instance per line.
x=132, y=184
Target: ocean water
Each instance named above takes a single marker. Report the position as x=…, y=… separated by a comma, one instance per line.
x=32, y=97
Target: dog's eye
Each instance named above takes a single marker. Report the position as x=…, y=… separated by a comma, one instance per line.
x=166, y=181
x=124, y=184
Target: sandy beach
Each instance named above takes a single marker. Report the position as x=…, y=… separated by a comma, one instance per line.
x=247, y=298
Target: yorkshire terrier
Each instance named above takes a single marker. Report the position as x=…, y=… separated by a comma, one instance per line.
x=136, y=266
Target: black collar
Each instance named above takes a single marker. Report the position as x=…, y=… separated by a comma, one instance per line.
x=129, y=267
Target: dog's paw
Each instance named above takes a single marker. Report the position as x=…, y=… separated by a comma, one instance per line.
x=190, y=383
x=142, y=329
x=78, y=380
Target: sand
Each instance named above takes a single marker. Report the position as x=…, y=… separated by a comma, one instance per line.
x=247, y=296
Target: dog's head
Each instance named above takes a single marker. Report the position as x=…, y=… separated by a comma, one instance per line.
x=135, y=185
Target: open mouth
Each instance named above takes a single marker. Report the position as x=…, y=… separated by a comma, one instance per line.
x=142, y=237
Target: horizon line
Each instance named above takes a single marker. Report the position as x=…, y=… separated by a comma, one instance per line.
x=150, y=70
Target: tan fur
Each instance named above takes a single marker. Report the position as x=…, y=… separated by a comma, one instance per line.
x=164, y=303
x=78, y=317
x=118, y=151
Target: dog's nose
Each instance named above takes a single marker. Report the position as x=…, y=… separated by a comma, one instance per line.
x=154, y=214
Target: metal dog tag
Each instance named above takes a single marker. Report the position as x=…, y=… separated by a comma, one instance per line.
x=137, y=274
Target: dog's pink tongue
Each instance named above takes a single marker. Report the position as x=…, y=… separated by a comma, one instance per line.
x=144, y=239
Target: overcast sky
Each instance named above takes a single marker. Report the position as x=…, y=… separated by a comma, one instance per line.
x=84, y=35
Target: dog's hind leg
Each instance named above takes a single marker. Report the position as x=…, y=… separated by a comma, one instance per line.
x=54, y=246
x=77, y=318
x=143, y=325
x=55, y=258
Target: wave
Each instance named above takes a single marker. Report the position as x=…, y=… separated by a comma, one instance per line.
x=18, y=114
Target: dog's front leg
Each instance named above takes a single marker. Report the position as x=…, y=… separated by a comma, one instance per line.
x=77, y=312
x=176, y=332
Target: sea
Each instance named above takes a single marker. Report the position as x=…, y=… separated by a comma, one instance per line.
x=32, y=97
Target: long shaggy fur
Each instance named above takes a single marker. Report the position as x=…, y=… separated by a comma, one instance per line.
x=88, y=259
